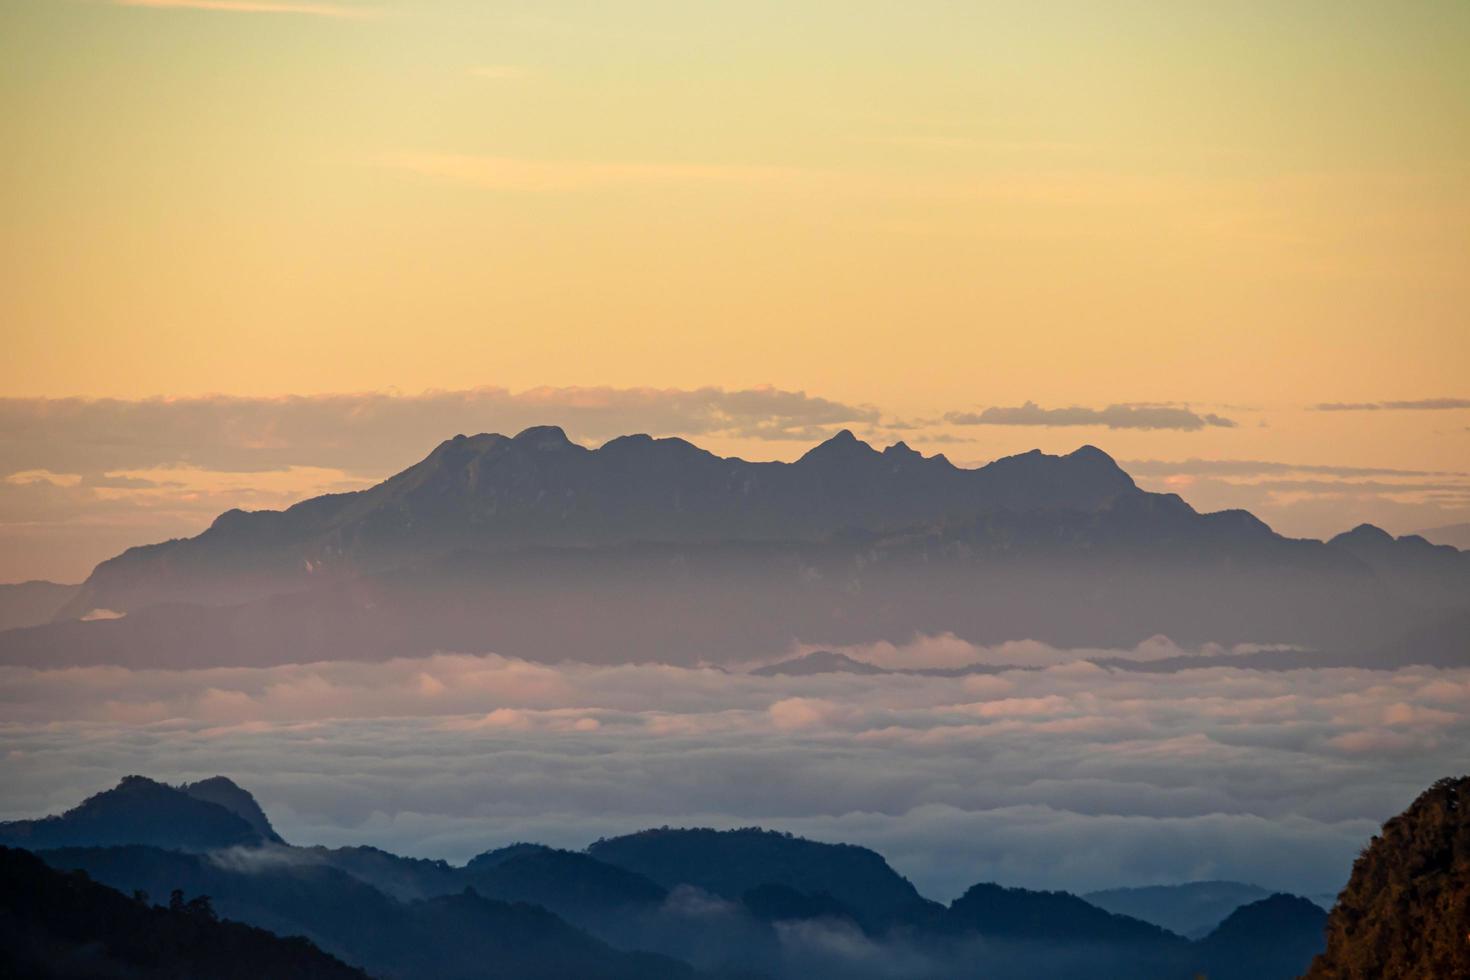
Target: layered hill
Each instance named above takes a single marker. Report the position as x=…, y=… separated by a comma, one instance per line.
x=57, y=925
x=662, y=903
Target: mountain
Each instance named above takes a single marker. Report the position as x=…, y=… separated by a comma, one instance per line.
x=139, y=811
x=674, y=554
x=223, y=792
x=55, y=925
x=493, y=493
x=1192, y=909
x=566, y=882
x=33, y=603
x=818, y=662
x=1405, y=912
x=1275, y=937
x=1456, y=535
x=1018, y=913
x=730, y=863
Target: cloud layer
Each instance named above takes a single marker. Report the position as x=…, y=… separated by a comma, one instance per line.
x=1069, y=776
x=1416, y=405
x=1122, y=416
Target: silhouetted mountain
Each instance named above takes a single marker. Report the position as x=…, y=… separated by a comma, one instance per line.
x=671, y=553
x=744, y=903
x=1405, y=912
x=33, y=603
x=1274, y=937
x=55, y=925
x=221, y=791
x=566, y=882
x=538, y=489
x=1192, y=909
x=138, y=811
x=818, y=662
x=1018, y=913
x=732, y=862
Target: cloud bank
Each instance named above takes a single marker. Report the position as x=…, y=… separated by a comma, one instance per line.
x=1122, y=416
x=1416, y=405
x=1071, y=776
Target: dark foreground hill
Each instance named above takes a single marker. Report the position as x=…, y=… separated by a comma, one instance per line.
x=670, y=553
x=57, y=925
x=1405, y=912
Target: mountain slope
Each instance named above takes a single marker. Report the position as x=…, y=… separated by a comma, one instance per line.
x=1405, y=912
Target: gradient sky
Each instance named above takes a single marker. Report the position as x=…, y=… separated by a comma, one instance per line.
x=922, y=210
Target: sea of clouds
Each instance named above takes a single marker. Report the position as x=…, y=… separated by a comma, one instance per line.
x=1064, y=774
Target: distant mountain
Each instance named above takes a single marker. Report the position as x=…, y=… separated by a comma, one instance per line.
x=539, y=489
x=1192, y=909
x=670, y=553
x=1455, y=535
x=33, y=603
x=730, y=863
x=1274, y=937
x=818, y=662
x=63, y=926
x=140, y=811
x=1405, y=912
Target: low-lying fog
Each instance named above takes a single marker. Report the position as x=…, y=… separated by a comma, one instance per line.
x=1067, y=776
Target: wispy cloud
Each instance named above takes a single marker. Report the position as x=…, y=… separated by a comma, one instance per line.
x=1260, y=467
x=505, y=173
x=1122, y=416
x=335, y=10
x=1416, y=405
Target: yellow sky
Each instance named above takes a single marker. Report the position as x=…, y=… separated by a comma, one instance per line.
x=924, y=206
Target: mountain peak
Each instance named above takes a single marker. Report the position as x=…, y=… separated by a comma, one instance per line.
x=139, y=810
x=844, y=445
x=545, y=438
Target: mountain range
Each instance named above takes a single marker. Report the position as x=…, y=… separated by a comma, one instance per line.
x=671, y=553
x=661, y=903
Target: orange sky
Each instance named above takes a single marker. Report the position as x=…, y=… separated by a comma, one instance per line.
x=928, y=208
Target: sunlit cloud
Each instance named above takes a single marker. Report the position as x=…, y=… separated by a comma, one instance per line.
x=1121, y=416
x=1416, y=405
x=1217, y=771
